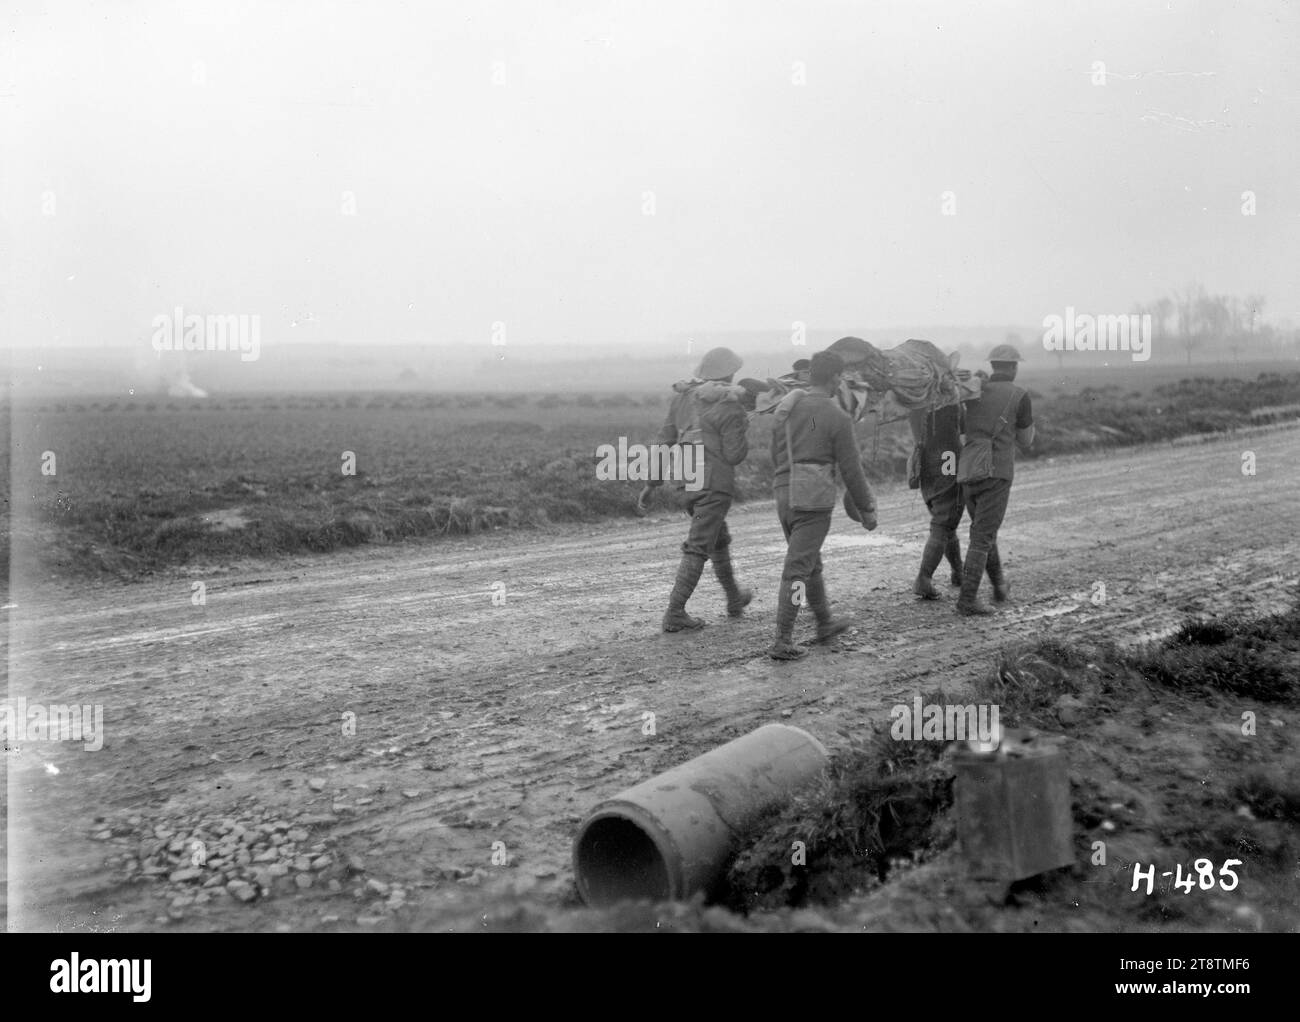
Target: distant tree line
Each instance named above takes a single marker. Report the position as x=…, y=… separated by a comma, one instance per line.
x=1193, y=318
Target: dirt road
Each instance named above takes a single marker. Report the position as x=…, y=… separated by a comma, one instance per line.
x=477, y=721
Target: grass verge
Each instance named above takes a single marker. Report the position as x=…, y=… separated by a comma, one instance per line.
x=1178, y=752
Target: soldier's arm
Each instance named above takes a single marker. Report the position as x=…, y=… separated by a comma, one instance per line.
x=668, y=431
x=666, y=436
x=850, y=463
x=1025, y=423
x=734, y=432
x=777, y=431
x=715, y=390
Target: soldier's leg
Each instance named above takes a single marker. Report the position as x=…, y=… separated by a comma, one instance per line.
x=1001, y=587
x=995, y=510
x=705, y=521
x=953, y=550
x=931, y=555
x=787, y=598
x=827, y=626
x=986, y=501
x=945, y=513
x=738, y=598
x=807, y=531
x=976, y=554
x=993, y=506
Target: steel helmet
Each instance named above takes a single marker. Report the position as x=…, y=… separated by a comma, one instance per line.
x=1005, y=353
x=718, y=364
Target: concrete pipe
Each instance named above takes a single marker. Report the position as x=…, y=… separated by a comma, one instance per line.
x=673, y=835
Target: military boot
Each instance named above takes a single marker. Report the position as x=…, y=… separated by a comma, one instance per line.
x=787, y=610
x=930, y=558
x=1001, y=587
x=827, y=626
x=738, y=598
x=953, y=552
x=688, y=577
x=972, y=574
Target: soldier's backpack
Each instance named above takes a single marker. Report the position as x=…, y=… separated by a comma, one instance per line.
x=813, y=486
x=976, y=460
x=701, y=393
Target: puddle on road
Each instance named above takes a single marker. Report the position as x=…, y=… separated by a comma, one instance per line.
x=1051, y=612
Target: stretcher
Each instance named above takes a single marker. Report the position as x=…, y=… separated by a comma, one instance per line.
x=888, y=383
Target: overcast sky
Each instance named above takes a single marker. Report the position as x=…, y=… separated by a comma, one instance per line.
x=620, y=172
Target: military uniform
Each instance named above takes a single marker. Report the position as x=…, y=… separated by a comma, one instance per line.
x=1002, y=411
x=722, y=426
x=709, y=414
x=938, y=432
x=821, y=432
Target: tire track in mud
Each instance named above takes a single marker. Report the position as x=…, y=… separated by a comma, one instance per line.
x=509, y=721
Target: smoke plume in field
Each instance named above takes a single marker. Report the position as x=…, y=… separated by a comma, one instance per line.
x=165, y=372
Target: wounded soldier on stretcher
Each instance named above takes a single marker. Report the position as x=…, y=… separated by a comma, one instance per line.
x=915, y=374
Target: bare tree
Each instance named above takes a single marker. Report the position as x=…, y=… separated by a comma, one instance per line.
x=1254, y=309
x=1233, y=305
x=1237, y=338
x=1214, y=320
x=1253, y=312
x=1195, y=316
x=1188, y=304
x=1161, y=310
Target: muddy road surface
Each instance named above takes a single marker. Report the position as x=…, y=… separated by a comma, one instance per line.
x=393, y=729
